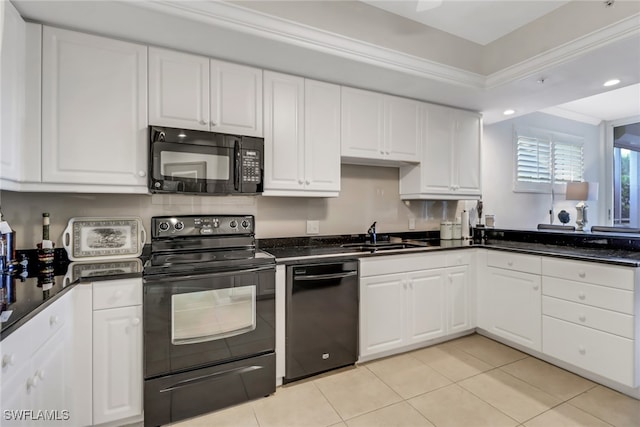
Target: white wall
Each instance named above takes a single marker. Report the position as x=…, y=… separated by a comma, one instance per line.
x=527, y=210
x=368, y=194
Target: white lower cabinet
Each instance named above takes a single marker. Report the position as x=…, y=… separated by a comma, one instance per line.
x=117, y=367
x=420, y=300
x=117, y=350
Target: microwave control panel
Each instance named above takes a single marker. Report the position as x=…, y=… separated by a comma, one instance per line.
x=251, y=166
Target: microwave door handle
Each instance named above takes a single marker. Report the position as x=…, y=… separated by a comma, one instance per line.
x=236, y=169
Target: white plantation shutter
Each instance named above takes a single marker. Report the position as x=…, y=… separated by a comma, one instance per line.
x=533, y=160
x=568, y=162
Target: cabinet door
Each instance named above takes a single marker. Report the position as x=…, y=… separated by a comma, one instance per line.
x=459, y=316
x=117, y=364
x=382, y=313
x=426, y=306
x=467, y=153
x=322, y=136
x=362, y=124
x=284, y=132
x=94, y=110
x=178, y=89
x=437, y=151
x=403, y=133
x=515, y=302
x=51, y=374
x=236, y=98
x=15, y=395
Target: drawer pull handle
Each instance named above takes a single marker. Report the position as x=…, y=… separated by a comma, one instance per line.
x=54, y=320
x=582, y=350
x=8, y=359
x=582, y=317
x=135, y=321
x=582, y=274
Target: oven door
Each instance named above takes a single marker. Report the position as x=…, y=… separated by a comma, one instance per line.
x=207, y=319
x=181, y=167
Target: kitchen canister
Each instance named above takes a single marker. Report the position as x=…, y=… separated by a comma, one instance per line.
x=446, y=230
x=456, y=233
x=465, y=225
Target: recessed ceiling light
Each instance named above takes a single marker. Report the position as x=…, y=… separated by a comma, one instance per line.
x=611, y=82
x=509, y=112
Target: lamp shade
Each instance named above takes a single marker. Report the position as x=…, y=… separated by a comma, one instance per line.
x=582, y=191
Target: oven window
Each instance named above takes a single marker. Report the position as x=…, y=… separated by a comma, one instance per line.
x=176, y=164
x=211, y=315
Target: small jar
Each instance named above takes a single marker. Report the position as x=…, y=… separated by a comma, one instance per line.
x=446, y=230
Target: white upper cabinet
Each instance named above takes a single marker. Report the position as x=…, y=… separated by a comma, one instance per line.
x=20, y=102
x=379, y=129
x=450, y=165
x=178, y=89
x=195, y=92
x=302, y=137
x=236, y=99
x=94, y=111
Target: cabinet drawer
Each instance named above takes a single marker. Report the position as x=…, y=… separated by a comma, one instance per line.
x=455, y=258
x=585, y=315
x=599, y=352
x=585, y=293
x=517, y=262
x=376, y=266
x=52, y=318
x=589, y=272
x=15, y=351
x=117, y=293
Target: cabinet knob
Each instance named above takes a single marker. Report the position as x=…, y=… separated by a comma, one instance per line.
x=582, y=350
x=582, y=274
x=8, y=359
x=40, y=374
x=510, y=263
x=32, y=382
x=536, y=287
x=135, y=321
x=300, y=182
x=118, y=294
x=213, y=123
x=54, y=320
x=203, y=122
x=582, y=317
x=581, y=295
x=381, y=151
x=142, y=174
x=307, y=182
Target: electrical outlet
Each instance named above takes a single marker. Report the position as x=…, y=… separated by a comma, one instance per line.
x=412, y=223
x=313, y=227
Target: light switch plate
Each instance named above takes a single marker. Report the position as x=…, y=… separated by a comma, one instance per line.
x=313, y=227
x=412, y=223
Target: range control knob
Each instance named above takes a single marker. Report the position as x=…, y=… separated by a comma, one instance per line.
x=178, y=225
x=245, y=224
x=233, y=223
x=163, y=226
x=216, y=223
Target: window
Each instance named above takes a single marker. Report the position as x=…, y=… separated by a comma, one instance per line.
x=543, y=159
x=626, y=175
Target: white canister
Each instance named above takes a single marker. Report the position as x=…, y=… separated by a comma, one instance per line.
x=446, y=230
x=457, y=230
x=465, y=224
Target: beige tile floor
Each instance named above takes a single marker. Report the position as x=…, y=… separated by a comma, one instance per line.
x=472, y=381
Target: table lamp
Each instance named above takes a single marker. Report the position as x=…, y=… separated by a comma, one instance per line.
x=581, y=191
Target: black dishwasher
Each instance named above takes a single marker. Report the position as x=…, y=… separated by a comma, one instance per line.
x=321, y=318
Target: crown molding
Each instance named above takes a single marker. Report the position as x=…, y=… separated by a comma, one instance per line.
x=237, y=18
x=629, y=27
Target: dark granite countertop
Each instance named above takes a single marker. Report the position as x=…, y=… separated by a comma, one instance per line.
x=26, y=292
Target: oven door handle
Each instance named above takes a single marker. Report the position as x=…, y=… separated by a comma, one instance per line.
x=185, y=275
x=326, y=276
x=192, y=381
x=214, y=337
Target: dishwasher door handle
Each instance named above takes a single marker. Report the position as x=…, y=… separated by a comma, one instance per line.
x=326, y=276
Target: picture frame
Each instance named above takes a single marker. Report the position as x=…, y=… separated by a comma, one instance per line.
x=103, y=238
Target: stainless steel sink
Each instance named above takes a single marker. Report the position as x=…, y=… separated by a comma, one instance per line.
x=380, y=246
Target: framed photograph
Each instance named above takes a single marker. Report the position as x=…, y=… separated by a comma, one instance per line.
x=103, y=238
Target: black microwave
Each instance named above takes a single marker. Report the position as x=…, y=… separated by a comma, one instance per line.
x=207, y=163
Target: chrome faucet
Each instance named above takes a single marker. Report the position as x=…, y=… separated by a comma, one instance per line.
x=372, y=232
